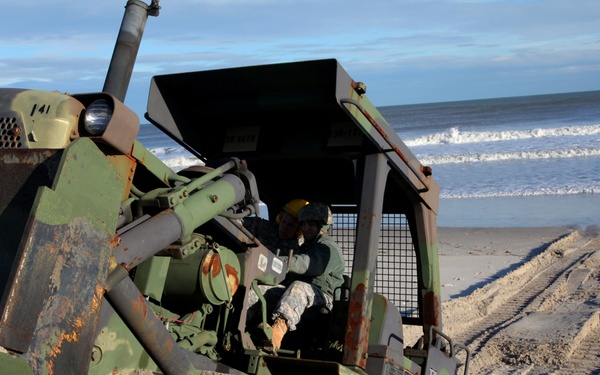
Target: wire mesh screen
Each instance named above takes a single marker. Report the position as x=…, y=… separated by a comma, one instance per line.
x=397, y=271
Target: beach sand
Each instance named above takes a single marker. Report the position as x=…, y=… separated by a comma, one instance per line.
x=523, y=300
x=473, y=257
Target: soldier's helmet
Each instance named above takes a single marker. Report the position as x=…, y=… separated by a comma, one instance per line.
x=293, y=208
x=316, y=211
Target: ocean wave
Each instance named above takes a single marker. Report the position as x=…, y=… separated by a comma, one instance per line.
x=524, y=193
x=456, y=136
x=179, y=163
x=164, y=151
x=437, y=159
x=176, y=158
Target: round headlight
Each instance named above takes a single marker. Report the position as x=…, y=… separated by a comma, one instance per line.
x=97, y=117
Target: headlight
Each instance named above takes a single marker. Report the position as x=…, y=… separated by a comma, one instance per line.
x=107, y=120
x=97, y=117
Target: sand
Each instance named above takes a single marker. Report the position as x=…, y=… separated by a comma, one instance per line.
x=523, y=300
x=473, y=257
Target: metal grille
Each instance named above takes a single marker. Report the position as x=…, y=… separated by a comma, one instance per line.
x=10, y=133
x=397, y=268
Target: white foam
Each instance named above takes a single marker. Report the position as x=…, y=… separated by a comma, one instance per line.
x=524, y=193
x=456, y=136
x=160, y=151
x=181, y=162
x=428, y=159
x=176, y=158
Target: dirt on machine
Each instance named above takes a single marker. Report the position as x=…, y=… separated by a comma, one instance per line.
x=113, y=263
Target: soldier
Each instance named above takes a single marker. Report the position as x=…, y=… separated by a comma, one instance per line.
x=314, y=272
x=281, y=234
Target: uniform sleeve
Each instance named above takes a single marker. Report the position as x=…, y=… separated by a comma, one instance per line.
x=312, y=263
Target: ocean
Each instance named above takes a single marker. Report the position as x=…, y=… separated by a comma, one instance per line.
x=531, y=161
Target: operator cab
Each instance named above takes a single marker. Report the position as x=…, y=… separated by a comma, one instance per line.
x=285, y=119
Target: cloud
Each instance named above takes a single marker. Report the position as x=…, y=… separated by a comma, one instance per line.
x=431, y=48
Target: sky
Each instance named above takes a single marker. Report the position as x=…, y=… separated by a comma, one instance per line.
x=405, y=51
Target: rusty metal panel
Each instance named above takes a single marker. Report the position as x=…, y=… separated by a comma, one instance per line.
x=51, y=306
x=53, y=302
x=23, y=171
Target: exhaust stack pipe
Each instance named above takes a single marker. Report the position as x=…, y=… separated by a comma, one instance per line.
x=126, y=48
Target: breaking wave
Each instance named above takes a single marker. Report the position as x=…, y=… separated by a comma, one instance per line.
x=176, y=158
x=436, y=159
x=456, y=136
x=549, y=191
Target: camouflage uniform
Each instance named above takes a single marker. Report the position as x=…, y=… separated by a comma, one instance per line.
x=314, y=272
x=267, y=233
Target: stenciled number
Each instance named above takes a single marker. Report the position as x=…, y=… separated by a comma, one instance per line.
x=43, y=109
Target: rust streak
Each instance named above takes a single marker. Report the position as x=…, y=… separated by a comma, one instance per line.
x=127, y=266
x=357, y=335
x=143, y=305
x=232, y=277
x=64, y=336
x=114, y=241
x=206, y=264
x=356, y=317
x=431, y=314
x=169, y=345
x=97, y=298
x=216, y=266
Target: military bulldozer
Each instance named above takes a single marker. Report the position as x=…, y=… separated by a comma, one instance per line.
x=113, y=263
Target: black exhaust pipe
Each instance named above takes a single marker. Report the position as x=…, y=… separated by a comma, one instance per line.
x=126, y=48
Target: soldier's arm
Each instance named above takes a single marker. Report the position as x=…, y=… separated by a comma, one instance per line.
x=313, y=263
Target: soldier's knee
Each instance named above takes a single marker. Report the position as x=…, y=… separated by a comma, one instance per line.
x=299, y=286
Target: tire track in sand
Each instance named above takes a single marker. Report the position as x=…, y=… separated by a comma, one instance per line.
x=534, y=319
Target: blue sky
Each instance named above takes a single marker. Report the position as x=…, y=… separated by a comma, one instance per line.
x=406, y=52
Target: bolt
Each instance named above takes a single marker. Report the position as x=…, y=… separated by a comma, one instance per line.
x=360, y=88
x=16, y=131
